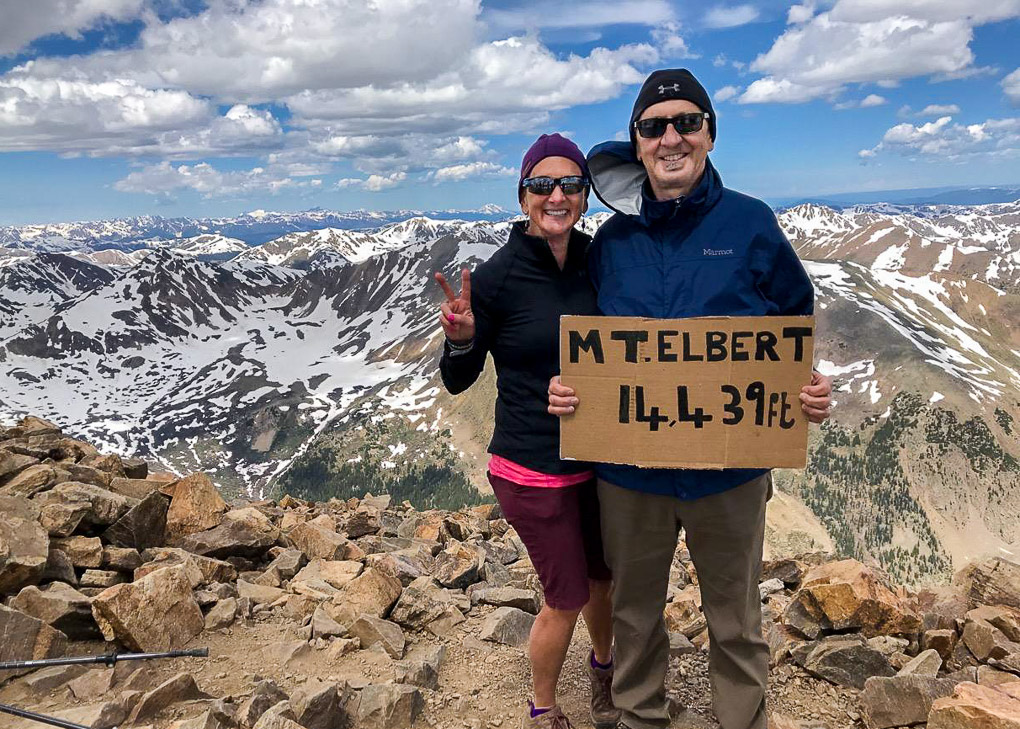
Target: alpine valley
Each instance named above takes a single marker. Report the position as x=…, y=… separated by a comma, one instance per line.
x=296, y=353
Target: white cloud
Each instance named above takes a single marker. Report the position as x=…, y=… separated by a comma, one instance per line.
x=373, y=183
x=941, y=139
x=472, y=170
x=730, y=17
x=568, y=14
x=800, y=13
x=166, y=179
x=670, y=42
x=23, y=21
x=939, y=110
x=726, y=93
x=1011, y=85
x=503, y=86
x=871, y=41
x=872, y=100
x=70, y=115
x=253, y=52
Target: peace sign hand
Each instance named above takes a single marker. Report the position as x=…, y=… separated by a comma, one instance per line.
x=455, y=313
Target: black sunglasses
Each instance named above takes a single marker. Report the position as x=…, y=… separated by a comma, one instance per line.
x=655, y=127
x=545, y=185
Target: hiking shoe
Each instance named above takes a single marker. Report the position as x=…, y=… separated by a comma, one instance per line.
x=604, y=714
x=552, y=719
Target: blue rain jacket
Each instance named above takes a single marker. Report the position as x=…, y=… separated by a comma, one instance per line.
x=715, y=252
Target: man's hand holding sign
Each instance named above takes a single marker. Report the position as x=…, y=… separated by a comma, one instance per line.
x=692, y=393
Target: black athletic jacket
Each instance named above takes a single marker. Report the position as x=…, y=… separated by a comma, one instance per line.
x=517, y=298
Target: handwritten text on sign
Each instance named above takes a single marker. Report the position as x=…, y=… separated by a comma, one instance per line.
x=719, y=392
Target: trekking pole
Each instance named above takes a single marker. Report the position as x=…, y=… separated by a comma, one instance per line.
x=41, y=718
x=108, y=659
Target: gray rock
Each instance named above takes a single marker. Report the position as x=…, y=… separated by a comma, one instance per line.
x=242, y=533
x=265, y=696
x=143, y=526
x=507, y=625
x=371, y=630
x=181, y=687
x=459, y=565
x=925, y=663
x=222, y=614
x=420, y=603
x=901, y=700
x=60, y=606
x=680, y=645
x=25, y=637
x=105, y=509
x=389, y=706
x=101, y=578
x=845, y=660
x=317, y=705
x=770, y=587
x=526, y=600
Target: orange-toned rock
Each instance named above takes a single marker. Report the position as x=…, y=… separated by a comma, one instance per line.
x=196, y=506
x=976, y=707
x=848, y=595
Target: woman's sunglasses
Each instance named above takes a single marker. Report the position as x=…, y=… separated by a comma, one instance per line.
x=545, y=185
x=655, y=127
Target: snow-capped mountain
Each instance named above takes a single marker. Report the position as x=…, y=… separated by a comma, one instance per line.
x=262, y=367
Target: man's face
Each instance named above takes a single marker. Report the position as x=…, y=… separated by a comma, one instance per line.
x=674, y=162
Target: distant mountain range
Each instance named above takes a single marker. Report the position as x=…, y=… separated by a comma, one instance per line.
x=986, y=195
x=307, y=363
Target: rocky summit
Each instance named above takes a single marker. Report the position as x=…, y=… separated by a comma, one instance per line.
x=364, y=613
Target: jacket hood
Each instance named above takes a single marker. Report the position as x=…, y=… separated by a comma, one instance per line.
x=618, y=178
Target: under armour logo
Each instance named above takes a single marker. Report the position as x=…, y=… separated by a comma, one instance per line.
x=664, y=89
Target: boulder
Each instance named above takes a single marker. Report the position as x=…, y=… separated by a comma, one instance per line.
x=507, y=625
x=848, y=595
x=143, y=526
x=324, y=626
x=845, y=660
x=901, y=700
x=243, y=532
x=201, y=570
x=994, y=581
x=925, y=663
x=683, y=614
x=101, y=579
x=389, y=706
x=24, y=544
x=319, y=542
x=526, y=600
x=122, y=559
x=27, y=638
x=940, y=640
x=265, y=695
x=364, y=520
x=137, y=488
x=59, y=568
x=135, y=467
x=155, y=613
x=30, y=481
x=459, y=565
x=61, y=519
x=317, y=705
x=280, y=716
x=84, y=552
x=60, y=606
x=181, y=687
x=259, y=594
x=12, y=464
x=1004, y=618
x=336, y=573
x=421, y=602
x=196, y=506
x=222, y=614
x=372, y=593
x=985, y=641
x=976, y=707
x=105, y=509
x=371, y=630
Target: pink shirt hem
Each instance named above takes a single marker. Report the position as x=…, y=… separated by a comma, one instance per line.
x=504, y=468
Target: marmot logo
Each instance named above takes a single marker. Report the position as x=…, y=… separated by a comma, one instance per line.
x=664, y=89
x=718, y=252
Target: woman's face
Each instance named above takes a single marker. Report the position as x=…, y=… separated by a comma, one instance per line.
x=552, y=216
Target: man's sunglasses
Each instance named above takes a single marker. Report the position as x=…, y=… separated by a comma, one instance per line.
x=545, y=185
x=655, y=127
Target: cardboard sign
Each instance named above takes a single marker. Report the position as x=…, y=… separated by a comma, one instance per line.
x=714, y=392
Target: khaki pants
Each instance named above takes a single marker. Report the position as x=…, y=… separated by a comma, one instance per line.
x=725, y=532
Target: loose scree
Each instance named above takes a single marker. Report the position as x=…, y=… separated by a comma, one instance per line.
x=714, y=392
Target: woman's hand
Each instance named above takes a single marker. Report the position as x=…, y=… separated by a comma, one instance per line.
x=562, y=399
x=455, y=313
x=816, y=398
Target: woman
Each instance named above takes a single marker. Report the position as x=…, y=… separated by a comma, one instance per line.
x=511, y=309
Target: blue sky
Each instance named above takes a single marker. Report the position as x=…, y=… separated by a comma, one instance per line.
x=214, y=107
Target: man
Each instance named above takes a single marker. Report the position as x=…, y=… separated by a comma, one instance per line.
x=682, y=245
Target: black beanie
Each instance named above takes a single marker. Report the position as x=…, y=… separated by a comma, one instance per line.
x=665, y=85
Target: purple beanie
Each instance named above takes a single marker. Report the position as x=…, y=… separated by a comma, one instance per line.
x=552, y=145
